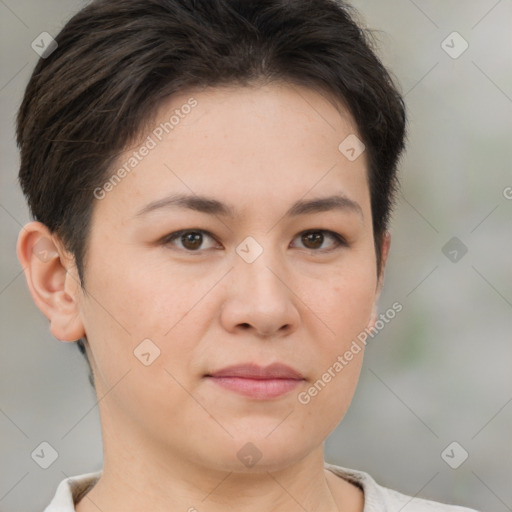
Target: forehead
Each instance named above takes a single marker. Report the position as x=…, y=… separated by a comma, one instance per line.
x=256, y=145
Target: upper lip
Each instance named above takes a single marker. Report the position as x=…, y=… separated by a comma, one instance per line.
x=253, y=371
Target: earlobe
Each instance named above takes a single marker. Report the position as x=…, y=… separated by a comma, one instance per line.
x=51, y=279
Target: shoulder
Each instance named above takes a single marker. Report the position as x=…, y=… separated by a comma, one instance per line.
x=382, y=499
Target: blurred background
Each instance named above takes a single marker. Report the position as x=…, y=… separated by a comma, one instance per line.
x=432, y=415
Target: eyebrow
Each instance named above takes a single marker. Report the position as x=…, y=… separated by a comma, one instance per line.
x=212, y=206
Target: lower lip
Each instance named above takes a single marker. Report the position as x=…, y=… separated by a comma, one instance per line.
x=257, y=388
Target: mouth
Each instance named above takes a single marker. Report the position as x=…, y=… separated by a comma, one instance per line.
x=261, y=383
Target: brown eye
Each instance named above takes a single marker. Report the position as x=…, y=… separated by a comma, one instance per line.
x=191, y=240
x=314, y=239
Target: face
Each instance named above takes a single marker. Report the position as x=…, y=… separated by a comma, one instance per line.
x=181, y=288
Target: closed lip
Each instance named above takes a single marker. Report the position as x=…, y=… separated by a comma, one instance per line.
x=254, y=371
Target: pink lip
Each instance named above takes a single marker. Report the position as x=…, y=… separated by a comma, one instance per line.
x=256, y=381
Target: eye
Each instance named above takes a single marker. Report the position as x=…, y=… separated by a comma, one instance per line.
x=191, y=240
x=313, y=240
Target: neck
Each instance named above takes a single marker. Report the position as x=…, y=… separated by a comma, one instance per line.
x=130, y=486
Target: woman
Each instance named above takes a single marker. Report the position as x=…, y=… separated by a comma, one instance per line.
x=211, y=183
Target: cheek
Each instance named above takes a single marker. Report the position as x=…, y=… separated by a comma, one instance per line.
x=346, y=310
x=326, y=401
x=145, y=301
x=344, y=301
x=136, y=304
x=344, y=305
x=133, y=311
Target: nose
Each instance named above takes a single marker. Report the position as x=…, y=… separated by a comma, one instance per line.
x=260, y=298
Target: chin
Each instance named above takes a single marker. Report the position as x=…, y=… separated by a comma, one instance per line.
x=255, y=453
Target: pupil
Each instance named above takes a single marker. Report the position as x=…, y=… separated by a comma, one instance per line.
x=192, y=239
x=316, y=238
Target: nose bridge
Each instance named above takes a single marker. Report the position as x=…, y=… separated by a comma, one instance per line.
x=259, y=266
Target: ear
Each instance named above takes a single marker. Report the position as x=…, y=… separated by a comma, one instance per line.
x=52, y=279
x=386, y=243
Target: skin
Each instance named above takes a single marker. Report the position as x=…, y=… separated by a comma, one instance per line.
x=259, y=149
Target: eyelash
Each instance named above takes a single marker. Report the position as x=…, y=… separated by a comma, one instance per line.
x=339, y=240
